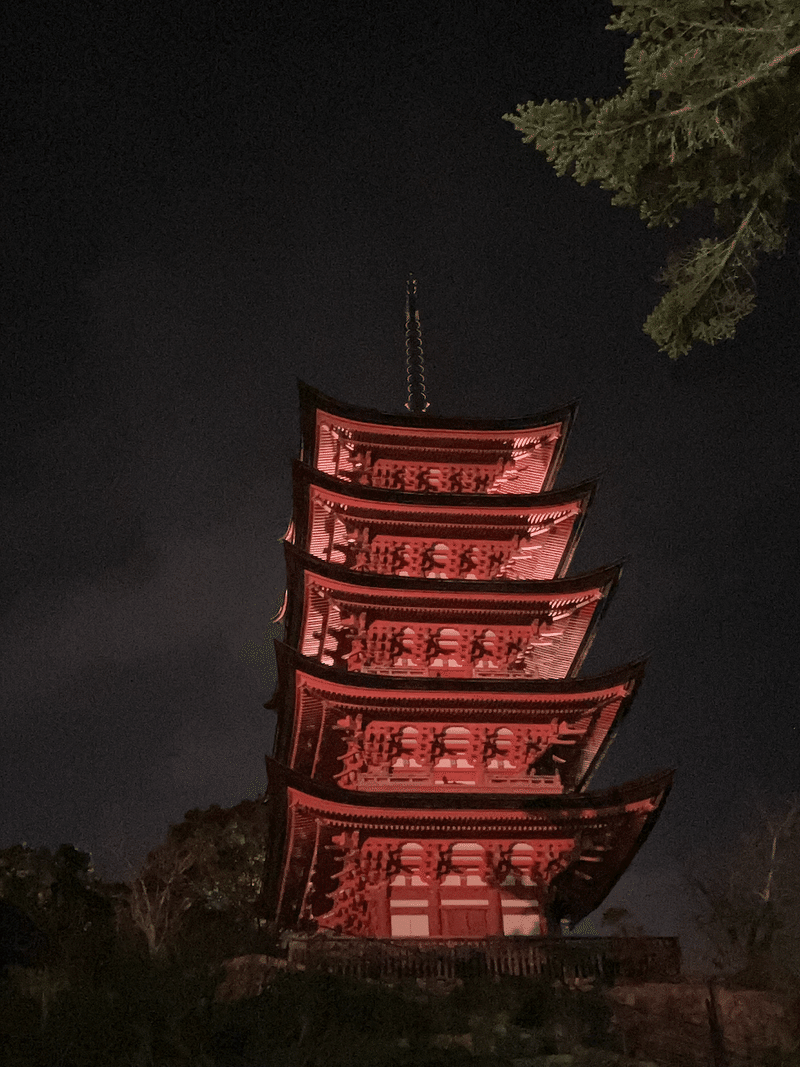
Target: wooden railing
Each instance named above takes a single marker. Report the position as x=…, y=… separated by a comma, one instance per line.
x=555, y=958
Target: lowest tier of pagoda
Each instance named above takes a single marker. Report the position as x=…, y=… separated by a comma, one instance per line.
x=433, y=744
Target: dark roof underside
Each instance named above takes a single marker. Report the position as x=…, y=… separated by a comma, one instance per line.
x=312, y=400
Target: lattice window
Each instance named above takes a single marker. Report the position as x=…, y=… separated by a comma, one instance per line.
x=420, y=477
x=447, y=650
x=522, y=861
x=419, y=649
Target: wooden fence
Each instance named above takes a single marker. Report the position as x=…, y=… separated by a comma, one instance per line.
x=567, y=959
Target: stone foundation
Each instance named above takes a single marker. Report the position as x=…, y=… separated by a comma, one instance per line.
x=669, y=1023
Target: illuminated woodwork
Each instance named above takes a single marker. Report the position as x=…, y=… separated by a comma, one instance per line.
x=478, y=538
x=370, y=732
x=428, y=455
x=446, y=866
x=434, y=744
x=410, y=626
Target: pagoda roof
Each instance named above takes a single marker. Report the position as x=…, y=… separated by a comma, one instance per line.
x=461, y=590
x=611, y=825
x=312, y=400
x=435, y=434
x=548, y=523
x=311, y=696
x=387, y=686
x=581, y=600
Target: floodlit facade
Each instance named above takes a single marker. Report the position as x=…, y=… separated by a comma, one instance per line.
x=434, y=740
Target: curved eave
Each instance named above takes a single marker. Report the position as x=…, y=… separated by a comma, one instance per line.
x=290, y=661
x=578, y=901
x=458, y=599
x=312, y=400
x=607, y=698
x=298, y=561
x=632, y=809
x=355, y=685
x=440, y=515
x=305, y=475
x=606, y=730
x=452, y=598
x=409, y=431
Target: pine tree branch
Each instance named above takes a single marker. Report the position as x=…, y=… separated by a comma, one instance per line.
x=730, y=29
x=767, y=67
x=736, y=155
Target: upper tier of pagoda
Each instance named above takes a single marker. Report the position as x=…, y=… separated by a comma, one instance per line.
x=425, y=454
x=457, y=628
x=530, y=537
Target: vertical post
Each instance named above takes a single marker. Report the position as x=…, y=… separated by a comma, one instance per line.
x=495, y=923
x=323, y=624
x=434, y=909
x=718, y=1053
x=383, y=922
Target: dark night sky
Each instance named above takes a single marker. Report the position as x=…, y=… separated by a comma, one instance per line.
x=207, y=201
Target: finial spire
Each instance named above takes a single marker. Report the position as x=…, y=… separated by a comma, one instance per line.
x=417, y=402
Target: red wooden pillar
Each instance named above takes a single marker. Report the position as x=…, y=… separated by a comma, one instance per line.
x=435, y=909
x=495, y=917
x=382, y=918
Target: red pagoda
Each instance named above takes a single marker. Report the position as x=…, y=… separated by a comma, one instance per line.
x=434, y=743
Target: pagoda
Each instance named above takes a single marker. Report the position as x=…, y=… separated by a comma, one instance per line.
x=434, y=742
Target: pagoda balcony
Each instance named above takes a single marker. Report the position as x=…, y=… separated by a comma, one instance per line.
x=455, y=781
x=450, y=757
x=442, y=670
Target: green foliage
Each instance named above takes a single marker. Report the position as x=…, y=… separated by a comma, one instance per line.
x=146, y=1010
x=140, y=1013
x=711, y=114
x=206, y=875
x=99, y=997
x=38, y=879
x=89, y=997
x=230, y=847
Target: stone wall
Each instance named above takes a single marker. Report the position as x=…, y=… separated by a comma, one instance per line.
x=665, y=1023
